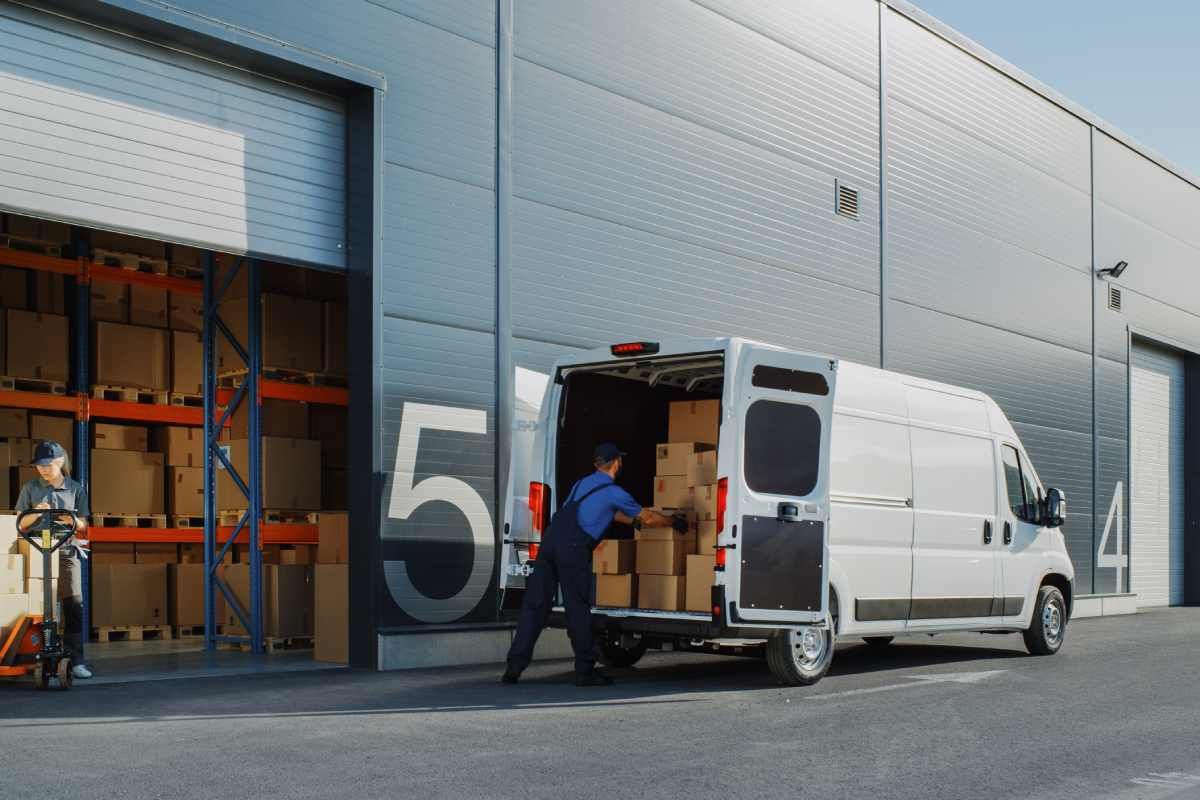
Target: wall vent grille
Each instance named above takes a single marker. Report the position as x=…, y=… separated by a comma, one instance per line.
x=1114, y=298
x=846, y=200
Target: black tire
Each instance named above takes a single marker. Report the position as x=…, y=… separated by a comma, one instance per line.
x=65, y=677
x=878, y=642
x=612, y=654
x=41, y=677
x=1046, y=631
x=800, y=658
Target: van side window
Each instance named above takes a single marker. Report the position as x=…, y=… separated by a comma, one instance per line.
x=783, y=448
x=789, y=380
x=1022, y=498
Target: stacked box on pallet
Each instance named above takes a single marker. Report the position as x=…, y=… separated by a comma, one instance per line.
x=126, y=479
x=331, y=579
x=130, y=356
x=287, y=600
x=49, y=361
x=129, y=595
x=15, y=451
x=185, y=596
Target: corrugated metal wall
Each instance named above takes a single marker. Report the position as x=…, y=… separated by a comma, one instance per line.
x=673, y=168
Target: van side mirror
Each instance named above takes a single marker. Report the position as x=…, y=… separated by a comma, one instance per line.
x=1054, y=508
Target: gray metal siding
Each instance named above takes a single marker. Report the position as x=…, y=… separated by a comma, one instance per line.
x=113, y=133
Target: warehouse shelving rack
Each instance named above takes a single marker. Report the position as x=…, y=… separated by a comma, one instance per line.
x=79, y=403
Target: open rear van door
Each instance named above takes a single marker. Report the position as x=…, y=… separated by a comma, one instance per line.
x=784, y=404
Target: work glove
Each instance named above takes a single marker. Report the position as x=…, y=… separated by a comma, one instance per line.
x=680, y=523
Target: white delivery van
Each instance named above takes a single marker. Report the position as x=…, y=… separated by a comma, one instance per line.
x=852, y=502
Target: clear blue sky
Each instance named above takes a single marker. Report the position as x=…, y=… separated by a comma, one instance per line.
x=1134, y=64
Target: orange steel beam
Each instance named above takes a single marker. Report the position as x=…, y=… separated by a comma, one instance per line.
x=146, y=412
x=300, y=392
x=37, y=261
x=99, y=272
x=40, y=401
x=272, y=533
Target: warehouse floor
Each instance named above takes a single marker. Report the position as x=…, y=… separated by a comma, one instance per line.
x=126, y=662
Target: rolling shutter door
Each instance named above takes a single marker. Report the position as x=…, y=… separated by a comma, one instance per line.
x=110, y=132
x=1156, y=447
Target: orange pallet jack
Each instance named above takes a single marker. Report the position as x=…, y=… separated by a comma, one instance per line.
x=35, y=646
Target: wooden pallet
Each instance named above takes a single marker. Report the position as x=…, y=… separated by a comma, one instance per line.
x=186, y=271
x=194, y=631
x=274, y=644
x=12, y=383
x=130, y=261
x=232, y=379
x=25, y=245
x=101, y=520
x=131, y=633
x=188, y=400
x=131, y=394
x=231, y=516
x=180, y=521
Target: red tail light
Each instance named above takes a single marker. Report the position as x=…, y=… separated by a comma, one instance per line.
x=539, y=505
x=720, y=565
x=534, y=549
x=722, y=501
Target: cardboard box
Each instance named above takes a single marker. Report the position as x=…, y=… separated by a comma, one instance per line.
x=335, y=339
x=132, y=356
x=333, y=538
x=704, y=501
x=8, y=533
x=614, y=557
x=182, y=446
x=35, y=591
x=671, y=491
x=14, y=288
x=124, y=243
x=12, y=573
x=706, y=536
x=291, y=474
x=187, y=363
x=672, y=458
x=14, y=422
x=616, y=591
x=185, y=596
x=21, y=455
x=156, y=553
x=42, y=230
x=698, y=595
x=112, y=553
x=327, y=424
x=44, y=427
x=662, y=592
x=331, y=635
x=272, y=279
x=129, y=594
x=694, y=421
x=12, y=606
x=270, y=553
x=183, y=256
x=661, y=556
x=333, y=490
x=702, y=468
x=297, y=554
x=185, y=311
x=291, y=333
x=287, y=599
x=285, y=418
x=121, y=437
x=34, y=565
x=194, y=554
x=109, y=301
x=50, y=292
x=48, y=361
x=127, y=482
x=185, y=491
x=148, y=306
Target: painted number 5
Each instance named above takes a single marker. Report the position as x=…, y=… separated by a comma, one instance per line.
x=408, y=495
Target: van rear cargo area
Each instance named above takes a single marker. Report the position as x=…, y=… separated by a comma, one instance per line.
x=665, y=414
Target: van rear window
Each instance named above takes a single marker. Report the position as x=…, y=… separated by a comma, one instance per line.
x=783, y=448
x=789, y=380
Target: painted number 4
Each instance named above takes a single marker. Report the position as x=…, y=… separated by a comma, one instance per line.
x=1119, y=559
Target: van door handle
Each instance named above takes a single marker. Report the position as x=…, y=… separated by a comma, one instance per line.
x=788, y=512
x=987, y=531
x=1007, y=532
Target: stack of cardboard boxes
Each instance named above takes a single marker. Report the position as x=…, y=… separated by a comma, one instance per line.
x=22, y=576
x=20, y=434
x=332, y=589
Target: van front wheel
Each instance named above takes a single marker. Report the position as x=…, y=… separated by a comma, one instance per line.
x=1045, y=633
x=800, y=657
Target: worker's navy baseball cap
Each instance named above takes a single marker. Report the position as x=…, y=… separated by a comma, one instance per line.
x=607, y=451
x=47, y=452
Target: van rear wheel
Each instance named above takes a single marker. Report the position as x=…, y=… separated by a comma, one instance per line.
x=1045, y=634
x=613, y=654
x=800, y=657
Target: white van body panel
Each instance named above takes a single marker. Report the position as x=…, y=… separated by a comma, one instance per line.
x=914, y=474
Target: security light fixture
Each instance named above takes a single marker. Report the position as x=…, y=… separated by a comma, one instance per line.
x=1113, y=271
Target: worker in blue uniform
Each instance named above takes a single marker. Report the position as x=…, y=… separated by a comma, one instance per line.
x=565, y=559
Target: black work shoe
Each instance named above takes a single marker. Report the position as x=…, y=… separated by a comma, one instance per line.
x=510, y=676
x=593, y=679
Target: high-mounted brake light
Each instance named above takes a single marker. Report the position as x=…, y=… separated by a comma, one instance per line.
x=634, y=348
x=722, y=500
x=539, y=504
x=720, y=563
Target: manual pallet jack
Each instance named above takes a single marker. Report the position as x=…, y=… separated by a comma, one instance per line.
x=35, y=645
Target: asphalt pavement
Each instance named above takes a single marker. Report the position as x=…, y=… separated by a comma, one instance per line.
x=1116, y=714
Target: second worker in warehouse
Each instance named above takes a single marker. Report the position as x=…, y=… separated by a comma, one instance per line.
x=565, y=558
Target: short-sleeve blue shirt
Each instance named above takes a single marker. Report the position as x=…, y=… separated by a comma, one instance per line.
x=596, y=512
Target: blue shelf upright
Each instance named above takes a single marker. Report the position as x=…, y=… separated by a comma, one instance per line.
x=81, y=466
x=216, y=455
